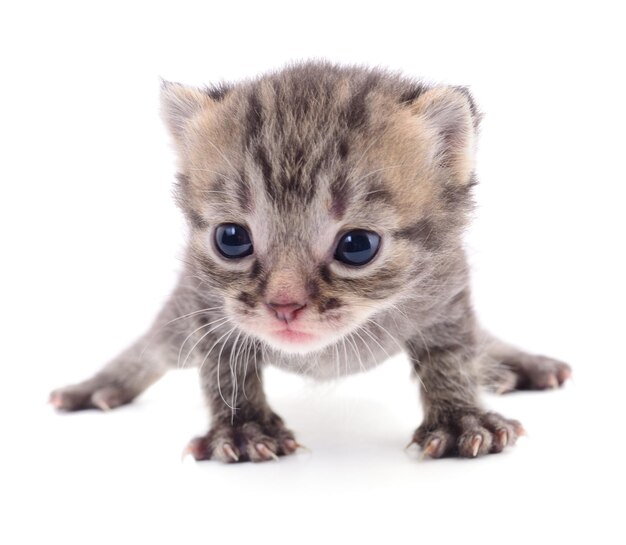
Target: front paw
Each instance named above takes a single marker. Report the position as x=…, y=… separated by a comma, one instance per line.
x=98, y=392
x=253, y=441
x=467, y=434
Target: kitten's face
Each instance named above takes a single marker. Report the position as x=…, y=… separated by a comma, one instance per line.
x=313, y=207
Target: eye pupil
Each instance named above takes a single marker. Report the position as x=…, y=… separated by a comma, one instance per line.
x=233, y=240
x=357, y=247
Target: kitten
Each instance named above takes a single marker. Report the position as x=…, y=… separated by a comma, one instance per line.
x=326, y=206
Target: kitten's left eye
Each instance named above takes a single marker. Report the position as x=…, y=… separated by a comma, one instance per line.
x=233, y=240
x=357, y=247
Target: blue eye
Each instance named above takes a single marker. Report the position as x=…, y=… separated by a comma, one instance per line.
x=357, y=247
x=233, y=240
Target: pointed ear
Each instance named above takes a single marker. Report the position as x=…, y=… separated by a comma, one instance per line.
x=179, y=104
x=451, y=118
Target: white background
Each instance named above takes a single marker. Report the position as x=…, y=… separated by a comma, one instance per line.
x=91, y=245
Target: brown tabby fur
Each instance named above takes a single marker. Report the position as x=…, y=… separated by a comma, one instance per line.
x=299, y=157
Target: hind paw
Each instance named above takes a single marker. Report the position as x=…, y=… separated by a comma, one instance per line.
x=528, y=372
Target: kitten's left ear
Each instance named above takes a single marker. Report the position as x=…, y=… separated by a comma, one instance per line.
x=451, y=118
x=179, y=104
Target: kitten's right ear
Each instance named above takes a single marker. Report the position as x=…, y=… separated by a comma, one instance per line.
x=180, y=104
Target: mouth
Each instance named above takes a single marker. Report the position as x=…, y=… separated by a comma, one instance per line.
x=293, y=336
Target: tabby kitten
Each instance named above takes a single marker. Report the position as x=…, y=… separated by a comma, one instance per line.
x=326, y=206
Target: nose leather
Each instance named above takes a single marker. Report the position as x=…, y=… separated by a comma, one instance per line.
x=286, y=312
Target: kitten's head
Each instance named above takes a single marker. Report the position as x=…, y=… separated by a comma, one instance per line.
x=319, y=195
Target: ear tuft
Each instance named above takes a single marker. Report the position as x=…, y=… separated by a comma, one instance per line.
x=179, y=104
x=450, y=114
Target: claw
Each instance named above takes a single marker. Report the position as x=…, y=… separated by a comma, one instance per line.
x=502, y=438
x=552, y=382
x=230, y=452
x=476, y=442
x=265, y=451
x=431, y=448
x=410, y=444
x=506, y=387
x=101, y=404
x=306, y=449
x=290, y=445
x=187, y=451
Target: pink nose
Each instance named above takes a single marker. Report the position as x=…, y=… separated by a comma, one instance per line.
x=286, y=312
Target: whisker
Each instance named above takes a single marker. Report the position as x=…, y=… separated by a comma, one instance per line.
x=246, y=361
x=387, y=332
x=364, y=330
x=154, y=332
x=356, y=351
x=217, y=342
x=233, y=373
x=180, y=351
x=219, y=375
x=345, y=354
x=356, y=332
x=214, y=172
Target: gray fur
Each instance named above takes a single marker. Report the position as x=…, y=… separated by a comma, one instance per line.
x=298, y=157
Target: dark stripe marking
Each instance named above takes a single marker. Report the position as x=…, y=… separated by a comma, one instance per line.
x=254, y=119
x=247, y=299
x=218, y=91
x=412, y=94
x=423, y=232
x=339, y=189
x=329, y=304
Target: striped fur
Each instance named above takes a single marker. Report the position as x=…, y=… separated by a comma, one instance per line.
x=299, y=157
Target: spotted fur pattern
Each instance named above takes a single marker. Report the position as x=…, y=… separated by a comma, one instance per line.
x=299, y=157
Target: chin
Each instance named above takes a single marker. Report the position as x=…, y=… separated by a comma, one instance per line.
x=297, y=342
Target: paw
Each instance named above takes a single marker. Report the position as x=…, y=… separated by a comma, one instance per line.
x=528, y=372
x=467, y=435
x=95, y=393
x=252, y=441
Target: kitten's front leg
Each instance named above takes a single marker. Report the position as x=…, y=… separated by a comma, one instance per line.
x=141, y=364
x=454, y=422
x=244, y=427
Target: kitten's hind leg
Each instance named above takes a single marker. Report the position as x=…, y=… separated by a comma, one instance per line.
x=505, y=368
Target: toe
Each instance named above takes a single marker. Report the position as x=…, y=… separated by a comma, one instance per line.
x=109, y=397
x=289, y=445
x=563, y=372
x=229, y=453
x=435, y=444
x=500, y=440
x=264, y=453
x=474, y=442
x=199, y=448
x=70, y=398
x=504, y=431
x=56, y=399
x=434, y=448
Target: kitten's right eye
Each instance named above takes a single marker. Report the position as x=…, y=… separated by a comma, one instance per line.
x=233, y=241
